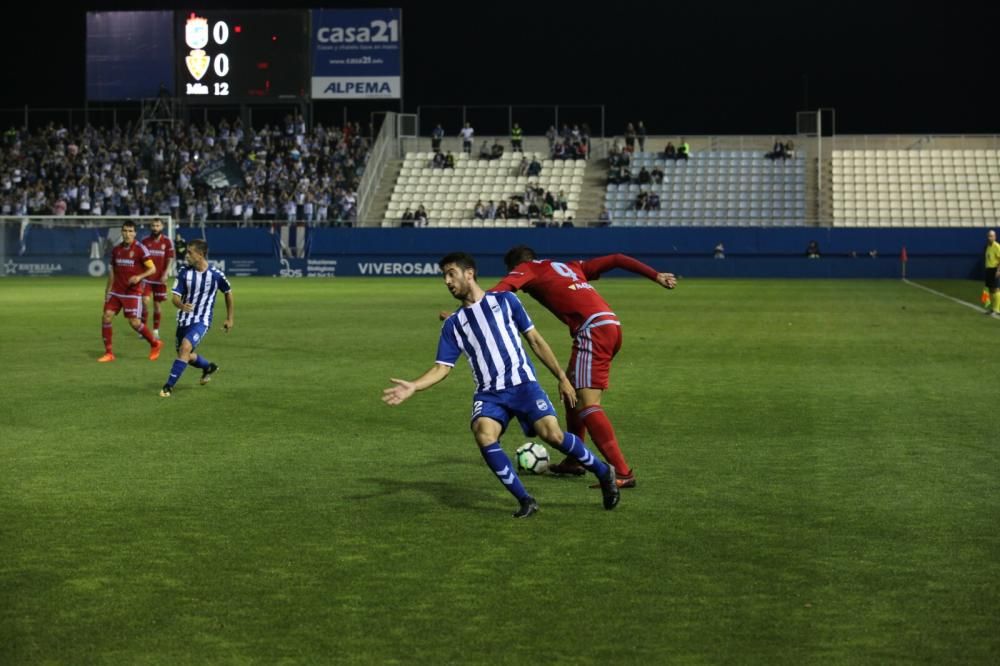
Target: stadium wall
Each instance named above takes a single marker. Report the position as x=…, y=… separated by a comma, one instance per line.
x=749, y=251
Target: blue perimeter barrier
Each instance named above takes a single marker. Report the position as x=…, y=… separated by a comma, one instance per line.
x=688, y=251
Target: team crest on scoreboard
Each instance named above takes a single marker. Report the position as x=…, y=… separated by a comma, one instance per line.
x=196, y=32
x=196, y=37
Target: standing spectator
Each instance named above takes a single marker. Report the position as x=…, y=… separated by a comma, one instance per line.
x=436, y=135
x=467, y=134
x=641, y=133
x=515, y=139
x=630, y=138
x=551, y=135
x=684, y=150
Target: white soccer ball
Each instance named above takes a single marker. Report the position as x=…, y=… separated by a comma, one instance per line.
x=532, y=458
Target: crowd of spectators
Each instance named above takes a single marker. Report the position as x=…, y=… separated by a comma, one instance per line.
x=281, y=172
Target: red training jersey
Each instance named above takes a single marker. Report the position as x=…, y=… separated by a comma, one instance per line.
x=564, y=287
x=161, y=251
x=127, y=261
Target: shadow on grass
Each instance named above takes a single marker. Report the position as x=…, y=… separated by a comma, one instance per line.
x=450, y=494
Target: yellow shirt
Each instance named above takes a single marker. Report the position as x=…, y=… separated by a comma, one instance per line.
x=993, y=255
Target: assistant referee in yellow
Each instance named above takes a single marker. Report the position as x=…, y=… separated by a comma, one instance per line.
x=991, y=268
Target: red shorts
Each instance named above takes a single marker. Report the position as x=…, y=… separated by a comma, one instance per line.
x=593, y=350
x=157, y=290
x=131, y=303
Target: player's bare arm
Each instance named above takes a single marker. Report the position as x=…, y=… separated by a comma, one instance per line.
x=403, y=389
x=181, y=305
x=228, y=324
x=150, y=269
x=545, y=354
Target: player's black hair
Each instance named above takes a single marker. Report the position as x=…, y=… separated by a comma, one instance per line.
x=461, y=259
x=518, y=255
x=128, y=223
x=200, y=245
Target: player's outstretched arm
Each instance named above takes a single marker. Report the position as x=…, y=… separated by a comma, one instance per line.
x=545, y=354
x=593, y=269
x=403, y=389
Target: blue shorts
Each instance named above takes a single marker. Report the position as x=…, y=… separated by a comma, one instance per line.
x=528, y=402
x=193, y=332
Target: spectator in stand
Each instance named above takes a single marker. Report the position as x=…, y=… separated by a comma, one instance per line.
x=547, y=210
x=629, y=138
x=420, y=217
x=534, y=168
x=562, y=202
x=534, y=211
x=438, y=161
x=491, y=210
x=496, y=152
x=501, y=210
x=670, y=152
x=778, y=150
x=479, y=212
x=467, y=134
x=484, y=151
x=640, y=133
x=653, y=202
x=684, y=150
x=604, y=219
x=407, y=215
x=645, y=178
x=522, y=168
x=640, y=200
x=449, y=161
x=657, y=174
x=437, y=134
x=515, y=139
x=789, y=150
x=552, y=135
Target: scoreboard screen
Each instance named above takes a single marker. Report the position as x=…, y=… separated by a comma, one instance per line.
x=241, y=56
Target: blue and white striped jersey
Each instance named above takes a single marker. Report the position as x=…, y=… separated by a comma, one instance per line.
x=489, y=333
x=199, y=289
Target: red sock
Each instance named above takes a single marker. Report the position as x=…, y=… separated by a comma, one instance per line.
x=144, y=332
x=144, y=317
x=574, y=424
x=106, y=331
x=603, y=435
x=156, y=319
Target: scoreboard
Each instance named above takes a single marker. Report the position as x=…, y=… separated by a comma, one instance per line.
x=240, y=56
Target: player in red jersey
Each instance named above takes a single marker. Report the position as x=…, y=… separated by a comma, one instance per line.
x=130, y=263
x=161, y=251
x=564, y=289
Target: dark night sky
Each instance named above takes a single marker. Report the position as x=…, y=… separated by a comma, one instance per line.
x=706, y=67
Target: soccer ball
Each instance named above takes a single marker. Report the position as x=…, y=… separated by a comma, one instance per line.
x=532, y=458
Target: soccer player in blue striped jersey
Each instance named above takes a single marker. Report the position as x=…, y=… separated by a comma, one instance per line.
x=194, y=293
x=487, y=328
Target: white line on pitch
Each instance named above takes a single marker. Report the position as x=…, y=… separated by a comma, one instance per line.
x=938, y=293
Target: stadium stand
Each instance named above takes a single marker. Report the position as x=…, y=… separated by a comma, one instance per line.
x=450, y=195
x=280, y=172
x=922, y=188
x=716, y=188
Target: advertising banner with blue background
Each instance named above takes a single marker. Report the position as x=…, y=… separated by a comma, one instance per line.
x=357, y=54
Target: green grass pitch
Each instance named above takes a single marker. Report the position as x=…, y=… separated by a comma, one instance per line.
x=817, y=466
